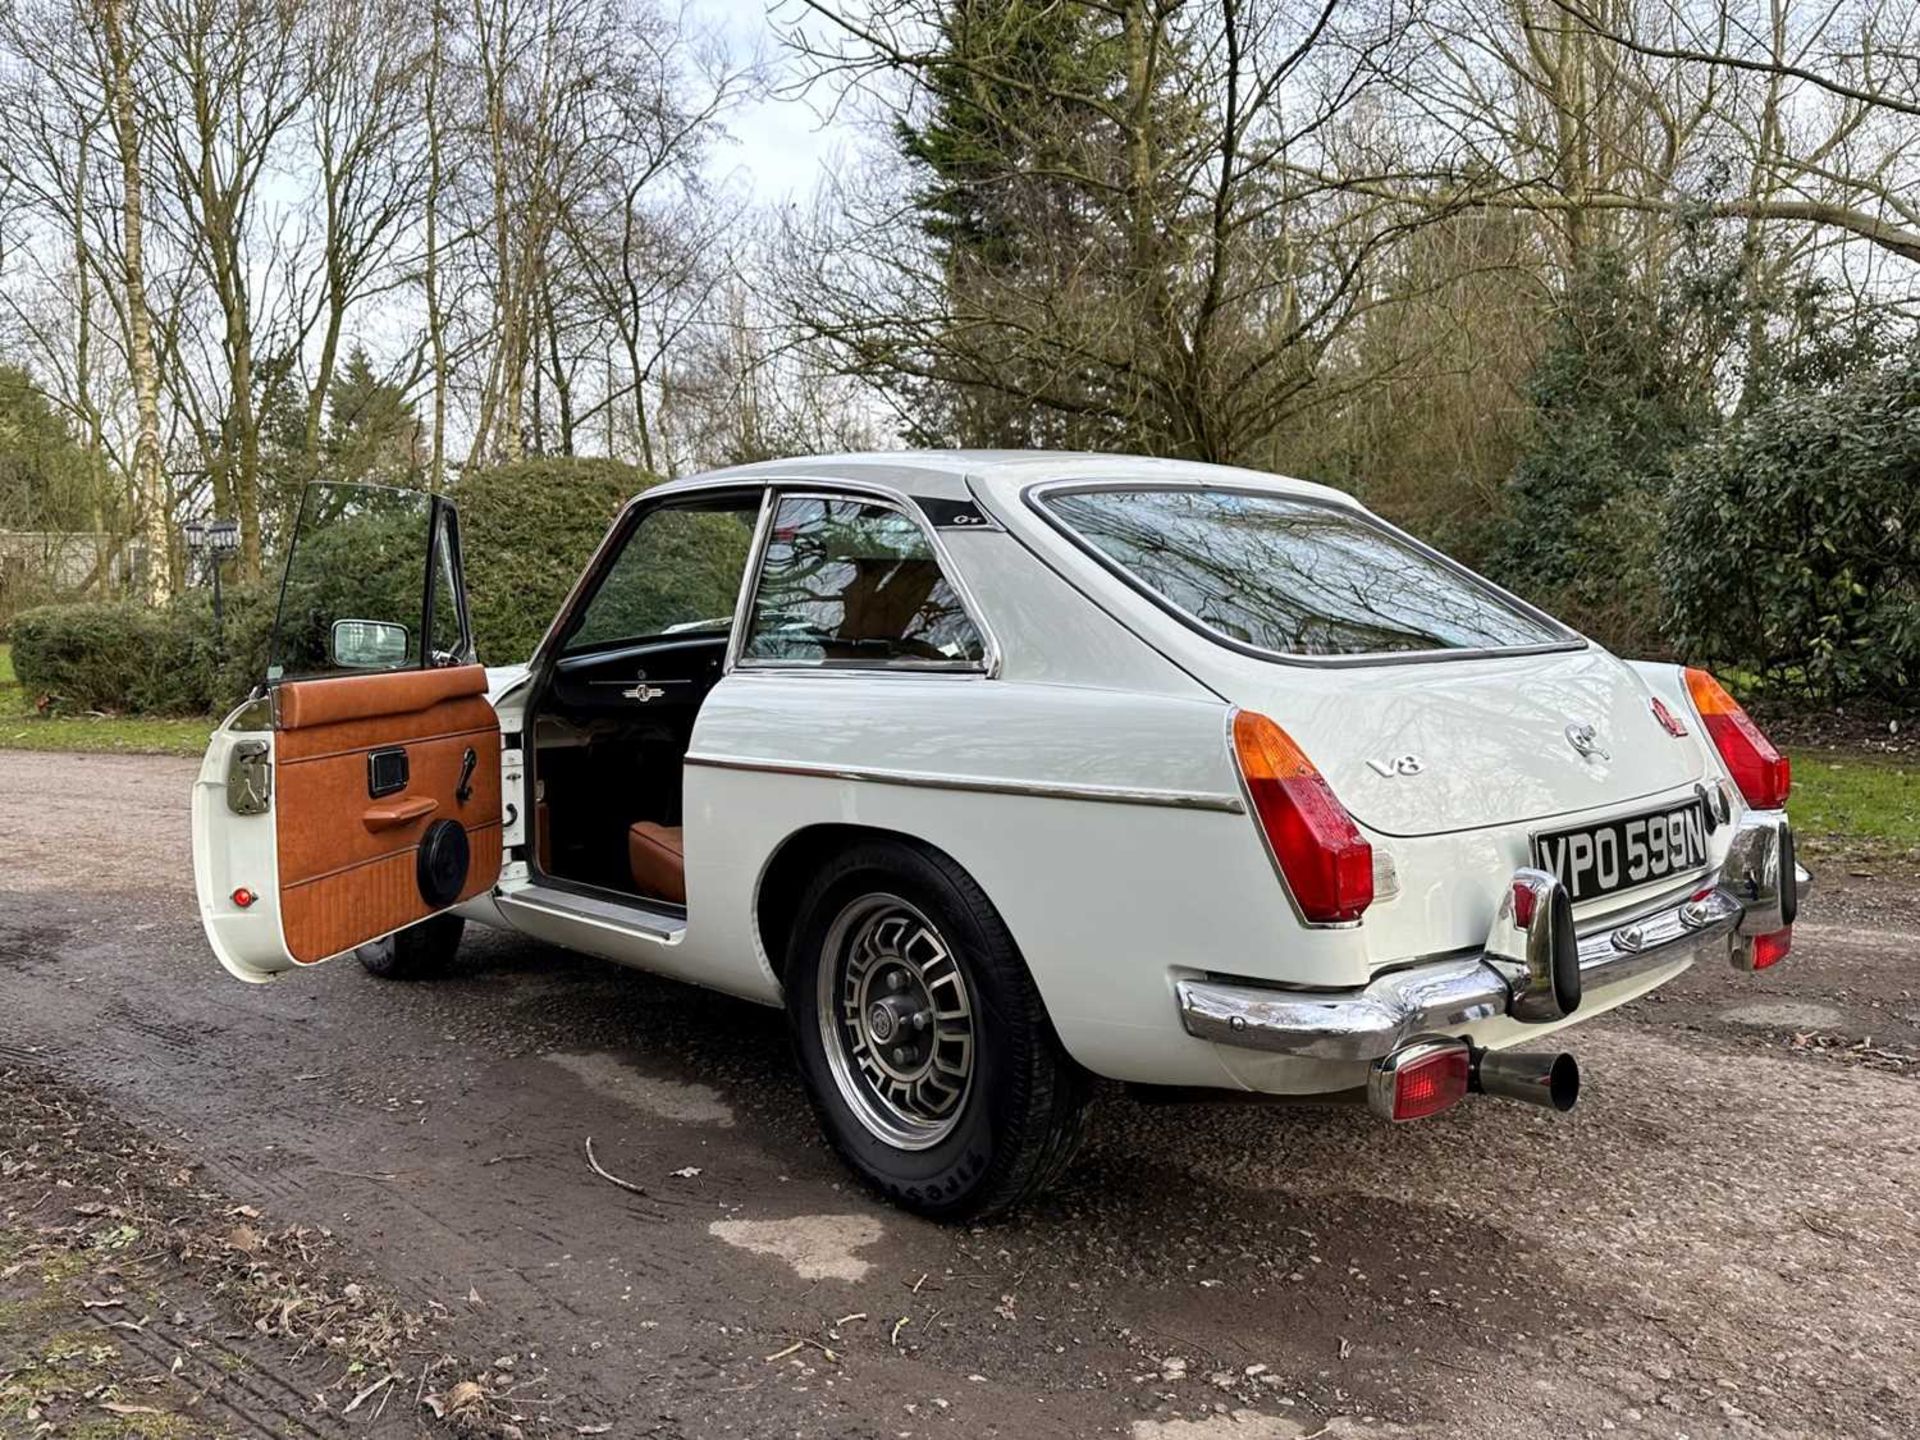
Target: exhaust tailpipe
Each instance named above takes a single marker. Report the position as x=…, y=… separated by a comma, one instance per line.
x=1538, y=1077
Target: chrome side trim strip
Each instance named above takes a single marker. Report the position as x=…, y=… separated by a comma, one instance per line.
x=927, y=780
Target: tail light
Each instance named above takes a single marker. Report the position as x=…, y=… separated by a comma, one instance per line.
x=1420, y=1079
x=1762, y=772
x=1769, y=950
x=1327, y=863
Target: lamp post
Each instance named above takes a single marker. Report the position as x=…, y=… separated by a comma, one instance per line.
x=212, y=541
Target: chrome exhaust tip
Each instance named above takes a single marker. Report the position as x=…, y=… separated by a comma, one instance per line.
x=1536, y=1077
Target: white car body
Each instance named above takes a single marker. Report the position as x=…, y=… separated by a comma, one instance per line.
x=1085, y=778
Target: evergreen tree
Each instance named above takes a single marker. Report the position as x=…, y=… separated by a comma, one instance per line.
x=1013, y=135
x=372, y=432
x=46, y=481
x=1615, y=398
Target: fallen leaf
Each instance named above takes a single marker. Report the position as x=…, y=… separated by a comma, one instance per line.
x=115, y=1408
x=245, y=1239
x=686, y=1172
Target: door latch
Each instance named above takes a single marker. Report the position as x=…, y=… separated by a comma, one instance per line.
x=250, y=777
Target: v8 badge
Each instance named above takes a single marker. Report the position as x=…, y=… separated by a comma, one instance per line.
x=1396, y=765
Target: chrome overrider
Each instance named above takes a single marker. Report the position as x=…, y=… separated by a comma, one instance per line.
x=1533, y=967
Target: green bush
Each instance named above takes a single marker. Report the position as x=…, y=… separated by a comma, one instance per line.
x=1611, y=405
x=123, y=657
x=112, y=655
x=1792, y=540
x=526, y=532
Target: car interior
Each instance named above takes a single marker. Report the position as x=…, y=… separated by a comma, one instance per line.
x=616, y=718
x=844, y=582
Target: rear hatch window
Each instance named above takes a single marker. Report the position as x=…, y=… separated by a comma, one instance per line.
x=1296, y=578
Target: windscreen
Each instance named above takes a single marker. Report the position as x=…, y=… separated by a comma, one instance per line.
x=1296, y=577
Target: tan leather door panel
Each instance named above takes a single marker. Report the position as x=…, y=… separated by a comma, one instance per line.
x=348, y=857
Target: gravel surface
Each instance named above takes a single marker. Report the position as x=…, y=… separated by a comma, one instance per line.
x=1721, y=1240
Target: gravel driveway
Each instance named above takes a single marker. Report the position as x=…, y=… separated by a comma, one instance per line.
x=1723, y=1239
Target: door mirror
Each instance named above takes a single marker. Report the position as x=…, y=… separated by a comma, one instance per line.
x=369, y=645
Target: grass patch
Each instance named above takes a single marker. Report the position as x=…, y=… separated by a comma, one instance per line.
x=1844, y=802
x=24, y=728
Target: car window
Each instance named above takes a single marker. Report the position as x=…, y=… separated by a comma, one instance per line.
x=677, y=575
x=1296, y=577
x=857, y=583
x=355, y=585
x=449, y=630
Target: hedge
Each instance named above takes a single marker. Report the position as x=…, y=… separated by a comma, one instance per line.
x=123, y=656
x=526, y=532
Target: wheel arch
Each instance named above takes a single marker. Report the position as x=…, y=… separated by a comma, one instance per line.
x=784, y=877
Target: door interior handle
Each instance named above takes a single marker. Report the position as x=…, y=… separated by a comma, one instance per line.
x=388, y=814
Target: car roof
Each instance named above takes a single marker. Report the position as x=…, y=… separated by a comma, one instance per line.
x=1003, y=474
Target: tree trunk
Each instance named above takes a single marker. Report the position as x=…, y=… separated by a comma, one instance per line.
x=149, y=482
x=436, y=325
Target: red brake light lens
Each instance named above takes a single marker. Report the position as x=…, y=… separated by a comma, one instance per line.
x=1772, y=949
x=1762, y=772
x=1327, y=863
x=1426, y=1087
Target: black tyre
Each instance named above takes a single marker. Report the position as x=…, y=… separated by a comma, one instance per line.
x=922, y=1040
x=419, y=952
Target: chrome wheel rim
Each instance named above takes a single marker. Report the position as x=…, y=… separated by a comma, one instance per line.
x=896, y=1022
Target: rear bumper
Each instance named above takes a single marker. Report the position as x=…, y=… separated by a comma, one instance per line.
x=1756, y=892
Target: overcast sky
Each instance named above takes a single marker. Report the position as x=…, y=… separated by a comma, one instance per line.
x=780, y=145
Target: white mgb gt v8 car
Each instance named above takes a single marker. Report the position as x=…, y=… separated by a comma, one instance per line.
x=1000, y=772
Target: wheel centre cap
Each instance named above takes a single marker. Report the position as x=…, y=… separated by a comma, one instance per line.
x=880, y=1022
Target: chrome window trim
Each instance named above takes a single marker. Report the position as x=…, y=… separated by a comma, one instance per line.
x=1035, y=495
x=618, y=532
x=813, y=488
x=749, y=581
x=932, y=780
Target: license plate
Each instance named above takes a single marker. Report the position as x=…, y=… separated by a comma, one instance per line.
x=1595, y=860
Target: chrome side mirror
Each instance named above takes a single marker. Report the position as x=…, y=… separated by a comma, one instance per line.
x=369, y=645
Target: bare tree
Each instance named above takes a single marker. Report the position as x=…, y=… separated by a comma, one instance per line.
x=1169, y=278
x=149, y=484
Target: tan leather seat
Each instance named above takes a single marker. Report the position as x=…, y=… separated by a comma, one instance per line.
x=658, y=864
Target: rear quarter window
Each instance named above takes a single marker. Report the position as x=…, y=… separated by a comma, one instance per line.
x=1294, y=577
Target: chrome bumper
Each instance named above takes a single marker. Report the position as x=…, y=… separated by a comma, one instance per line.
x=1443, y=997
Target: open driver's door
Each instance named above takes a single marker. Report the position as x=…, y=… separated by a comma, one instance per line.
x=360, y=793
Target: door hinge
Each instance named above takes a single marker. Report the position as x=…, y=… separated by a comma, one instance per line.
x=250, y=777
